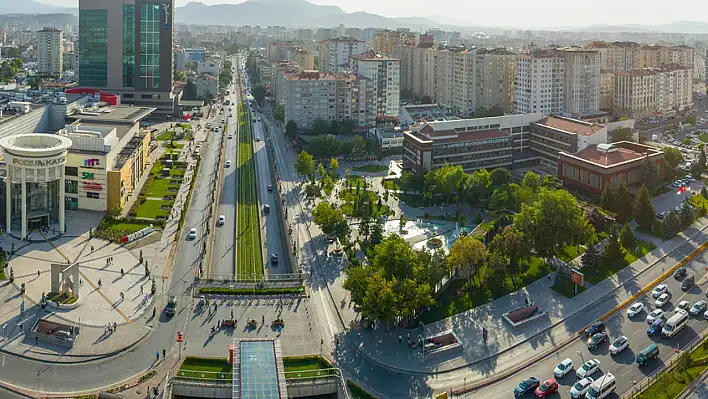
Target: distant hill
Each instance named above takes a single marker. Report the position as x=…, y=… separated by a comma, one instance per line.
x=290, y=13
x=55, y=20
x=33, y=7
x=693, y=27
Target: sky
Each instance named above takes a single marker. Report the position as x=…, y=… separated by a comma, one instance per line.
x=518, y=13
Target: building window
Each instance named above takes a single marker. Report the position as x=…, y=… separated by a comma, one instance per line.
x=92, y=195
x=71, y=170
x=71, y=187
x=128, y=96
x=93, y=48
x=128, y=45
x=150, y=24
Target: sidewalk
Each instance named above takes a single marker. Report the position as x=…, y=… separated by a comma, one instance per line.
x=565, y=317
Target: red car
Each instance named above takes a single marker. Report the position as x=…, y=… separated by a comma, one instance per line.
x=547, y=388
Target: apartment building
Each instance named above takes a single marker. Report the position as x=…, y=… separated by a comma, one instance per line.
x=496, y=77
x=581, y=82
x=539, y=82
x=335, y=53
x=302, y=57
x=278, y=51
x=339, y=96
x=383, y=42
x=50, y=52
x=652, y=92
x=607, y=88
x=555, y=134
x=279, y=70
x=628, y=56
x=304, y=34
x=385, y=73
x=418, y=67
x=456, y=81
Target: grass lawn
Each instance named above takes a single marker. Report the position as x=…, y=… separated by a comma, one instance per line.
x=567, y=288
x=656, y=230
x=678, y=381
x=249, y=256
x=306, y=366
x=391, y=184
x=449, y=303
x=202, y=367
x=351, y=197
x=571, y=252
x=703, y=137
x=152, y=209
x=606, y=269
x=357, y=392
x=61, y=298
x=112, y=229
x=371, y=168
x=168, y=135
x=353, y=180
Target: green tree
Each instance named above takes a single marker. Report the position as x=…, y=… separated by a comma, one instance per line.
x=672, y=157
x=590, y=258
x=626, y=236
x=531, y=181
x=686, y=215
x=671, y=224
x=225, y=78
x=347, y=126
x=321, y=170
x=312, y=191
x=358, y=145
x=650, y=173
x=622, y=134
x=279, y=113
x=702, y=159
x=477, y=187
x=258, y=92
x=333, y=164
x=377, y=231
x=607, y=198
x=613, y=248
x=330, y=220
x=305, y=165
x=180, y=76
x=396, y=258
x=291, y=129
x=380, y=300
x=190, y=90
x=512, y=245
x=319, y=127
x=500, y=176
x=643, y=209
x=325, y=146
x=548, y=221
x=505, y=197
x=549, y=181
x=696, y=170
x=691, y=120
x=494, y=275
x=623, y=203
x=467, y=255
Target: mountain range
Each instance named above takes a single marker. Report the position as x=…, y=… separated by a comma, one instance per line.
x=33, y=7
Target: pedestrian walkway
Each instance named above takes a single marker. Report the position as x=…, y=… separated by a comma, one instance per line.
x=509, y=346
x=154, y=157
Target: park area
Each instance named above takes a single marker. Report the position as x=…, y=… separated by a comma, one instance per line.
x=249, y=257
x=158, y=194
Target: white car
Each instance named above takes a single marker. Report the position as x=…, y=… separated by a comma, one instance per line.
x=661, y=300
x=619, y=345
x=563, y=368
x=635, y=309
x=656, y=314
x=228, y=164
x=660, y=289
x=221, y=220
x=258, y=138
x=581, y=387
x=683, y=305
x=192, y=233
x=589, y=368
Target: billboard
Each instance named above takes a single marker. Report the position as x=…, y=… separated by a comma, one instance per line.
x=577, y=277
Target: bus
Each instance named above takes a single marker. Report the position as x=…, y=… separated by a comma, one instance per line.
x=602, y=387
x=675, y=323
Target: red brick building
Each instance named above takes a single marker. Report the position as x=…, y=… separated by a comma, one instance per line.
x=598, y=165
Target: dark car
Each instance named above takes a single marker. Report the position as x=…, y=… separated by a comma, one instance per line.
x=546, y=389
x=596, y=340
x=274, y=259
x=171, y=306
x=656, y=327
x=688, y=282
x=595, y=328
x=680, y=273
x=525, y=387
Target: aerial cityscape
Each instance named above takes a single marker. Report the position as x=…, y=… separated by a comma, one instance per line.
x=280, y=199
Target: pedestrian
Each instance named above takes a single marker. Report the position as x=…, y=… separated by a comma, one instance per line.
x=121, y=296
x=157, y=355
x=36, y=340
x=122, y=273
x=164, y=353
x=232, y=314
x=99, y=283
x=400, y=338
x=91, y=248
x=154, y=310
x=115, y=326
x=141, y=290
x=408, y=336
x=37, y=273
x=81, y=282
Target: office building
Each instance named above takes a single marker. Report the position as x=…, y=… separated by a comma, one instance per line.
x=126, y=48
x=50, y=52
x=335, y=53
x=555, y=134
x=385, y=73
x=597, y=166
x=581, y=85
x=539, y=82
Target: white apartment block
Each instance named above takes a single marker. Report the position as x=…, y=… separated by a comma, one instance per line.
x=539, y=82
x=50, y=52
x=662, y=92
x=385, y=73
x=456, y=81
x=628, y=56
x=581, y=85
x=335, y=53
x=496, y=77
x=339, y=96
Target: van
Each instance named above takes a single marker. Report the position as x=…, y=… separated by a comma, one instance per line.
x=675, y=323
x=687, y=283
x=647, y=354
x=602, y=387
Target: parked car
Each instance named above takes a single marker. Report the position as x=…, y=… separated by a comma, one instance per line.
x=635, y=309
x=662, y=300
x=548, y=387
x=684, y=305
x=528, y=385
x=563, y=368
x=688, y=282
x=596, y=340
x=581, y=387
x=588, y=368
x=658, y=290
x=595, y=328
x=619, y=345
x=698, y=308
x=656, y=327
x=680, y=273
x=655, y=314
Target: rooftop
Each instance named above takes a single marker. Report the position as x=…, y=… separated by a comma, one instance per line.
x=452, y=135
x=609, y=155
x=495, y=51
x=258, y=370
x=113, y=114
x=373, y=56
x=316, y=75
x=571, y=125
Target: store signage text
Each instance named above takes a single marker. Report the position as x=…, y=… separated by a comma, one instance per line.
x=166, y=16
x=91, y=162
x=38, y=162
x=475, y=143
x=87, y=175
x=89, y=186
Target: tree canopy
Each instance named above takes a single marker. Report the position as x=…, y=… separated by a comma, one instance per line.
x=258, y=92
x=330, y=220
x=305, y=164
x=622, y=134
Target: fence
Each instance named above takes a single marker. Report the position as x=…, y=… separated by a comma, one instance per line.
x=640, y=386
x=204, y=378
x=270, y=281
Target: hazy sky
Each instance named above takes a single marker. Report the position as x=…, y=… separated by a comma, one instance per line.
x=522, y=13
